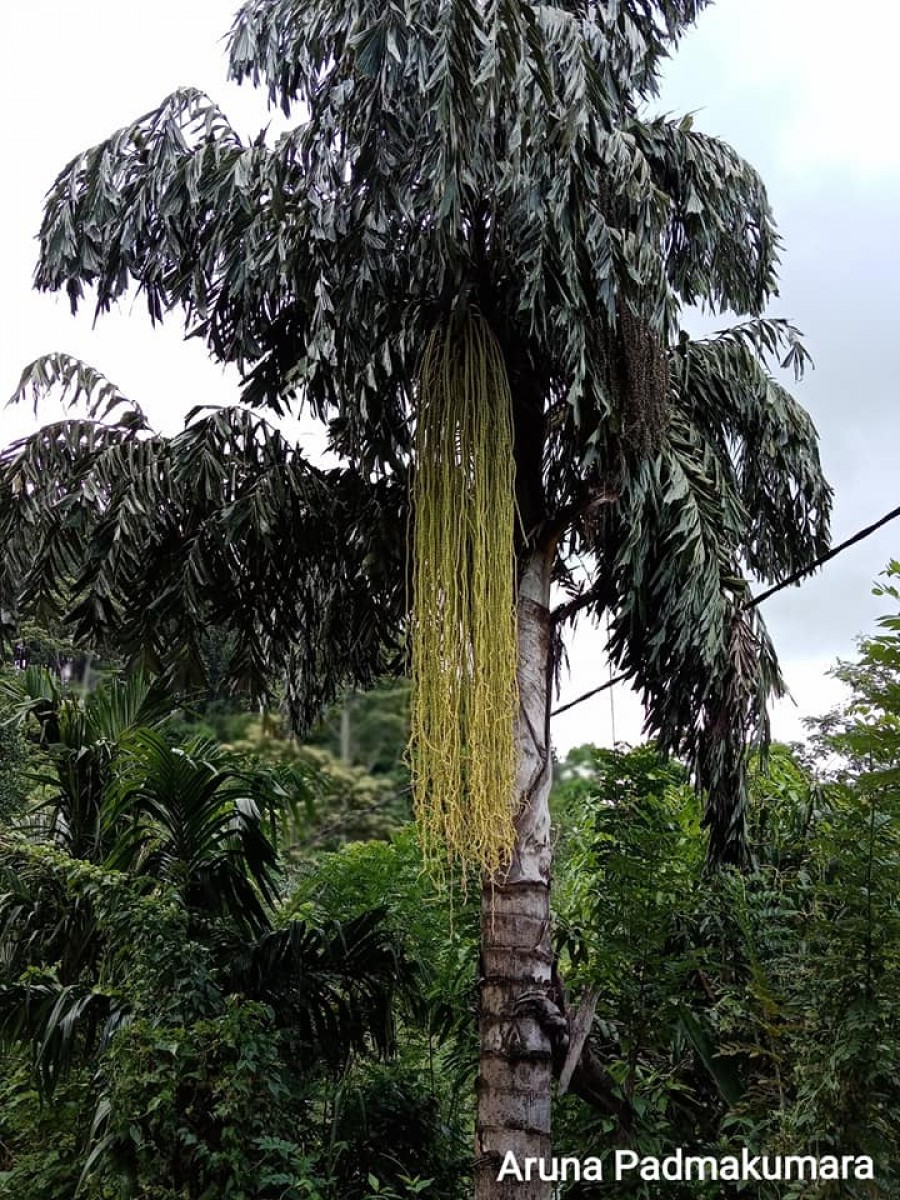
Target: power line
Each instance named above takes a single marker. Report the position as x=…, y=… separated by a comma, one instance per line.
x=755, y=601
x=587, y=695
x=823, y=558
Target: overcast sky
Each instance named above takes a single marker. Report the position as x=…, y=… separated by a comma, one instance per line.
x=798, y=87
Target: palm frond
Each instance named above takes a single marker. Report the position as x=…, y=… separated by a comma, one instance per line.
x=764, y=435
x=245, y=535
x=334, y=987
x=63, y=1024
x=669, y=572
x=191, y=817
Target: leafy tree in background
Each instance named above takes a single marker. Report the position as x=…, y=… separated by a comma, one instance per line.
x=759, y=1008
x=631, y=899
x=13, y=760
x=369, y=729
x=150, y=988
x=452, y=159
x=340, y=802
x=856, y=933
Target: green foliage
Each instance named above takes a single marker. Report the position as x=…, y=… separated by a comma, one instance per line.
x=369, y=729
x=391, y=1121
x=160, y=1046
x=634, y=862
x=756, y=1009
x=13, y=765
x=205, y=1049
x=432, y=927
x=294, y=548
x=334, y=802
x=438, y=1047
x=41, y=1152
x=630, y=904
x=153, y=999
x=208, y=1108
x=192, y=817
x=81, y=736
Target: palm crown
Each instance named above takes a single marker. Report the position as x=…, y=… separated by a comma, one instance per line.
x=453, y=155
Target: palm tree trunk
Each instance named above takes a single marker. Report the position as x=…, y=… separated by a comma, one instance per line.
x=345, y=731
x=515, y=1068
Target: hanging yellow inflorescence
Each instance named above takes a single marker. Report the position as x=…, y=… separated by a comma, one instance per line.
x=464, y=692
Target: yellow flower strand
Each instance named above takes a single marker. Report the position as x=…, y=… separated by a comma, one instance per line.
x=464, y=690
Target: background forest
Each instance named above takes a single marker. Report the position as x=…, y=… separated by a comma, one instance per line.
x=224, y=973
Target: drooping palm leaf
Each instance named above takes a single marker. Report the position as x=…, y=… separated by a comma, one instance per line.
x=247, y=536
x=63, y=1024
x=335, y=988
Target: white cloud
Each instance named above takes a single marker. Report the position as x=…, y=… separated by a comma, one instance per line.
x=76, y=72
x=817, y=75
x=813, y=692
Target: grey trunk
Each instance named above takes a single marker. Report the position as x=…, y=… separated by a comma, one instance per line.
x=515, y=1070
x=345, y=731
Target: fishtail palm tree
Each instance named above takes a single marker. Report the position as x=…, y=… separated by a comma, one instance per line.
x=467, y=183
